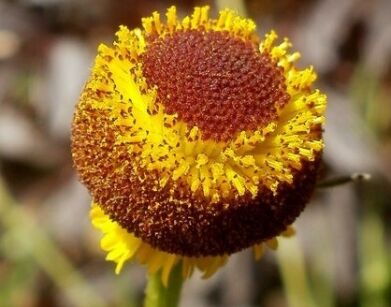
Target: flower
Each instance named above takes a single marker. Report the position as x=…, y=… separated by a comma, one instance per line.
x=196, y=139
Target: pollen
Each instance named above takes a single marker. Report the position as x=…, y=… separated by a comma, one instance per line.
x=215, y=81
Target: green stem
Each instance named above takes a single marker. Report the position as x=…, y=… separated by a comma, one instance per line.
x=293, y=273
x=158, y=295
x=374, y=268
x=337, y=181
x=33, y=239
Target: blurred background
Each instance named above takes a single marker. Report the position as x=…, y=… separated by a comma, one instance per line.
x=49, y=253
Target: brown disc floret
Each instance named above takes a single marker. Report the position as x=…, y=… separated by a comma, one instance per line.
x=215, y=81
x=178, y=223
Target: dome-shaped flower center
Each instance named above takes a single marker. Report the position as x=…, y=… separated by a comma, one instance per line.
x=215, y=81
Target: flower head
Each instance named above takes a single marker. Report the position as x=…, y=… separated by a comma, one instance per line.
x=196, y=139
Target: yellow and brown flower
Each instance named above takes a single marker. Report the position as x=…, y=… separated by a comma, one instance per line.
x=196, y=139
